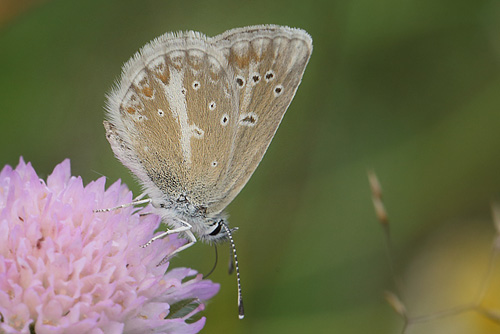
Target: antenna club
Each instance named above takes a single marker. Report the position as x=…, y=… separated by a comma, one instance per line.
x=241, y=312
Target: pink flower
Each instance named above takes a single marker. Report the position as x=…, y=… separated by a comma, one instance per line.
x=66, y=269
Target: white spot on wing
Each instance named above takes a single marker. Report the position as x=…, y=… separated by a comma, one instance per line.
x=224, y=120
x=248, y=119
x=269, y=76
x=278, y=90
x=254, y=78
x=197, y=132
x=212, y=105
x=240, y=81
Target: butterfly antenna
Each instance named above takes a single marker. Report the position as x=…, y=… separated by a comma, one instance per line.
x=215, y=264
x=241, y=311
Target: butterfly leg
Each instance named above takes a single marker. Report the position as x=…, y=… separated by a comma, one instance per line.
x=187, y=232
x=186, y=229
x=136, y=201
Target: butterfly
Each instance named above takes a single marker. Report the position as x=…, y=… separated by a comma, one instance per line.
x=192, y=116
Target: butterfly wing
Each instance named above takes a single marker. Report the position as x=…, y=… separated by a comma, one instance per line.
x=170, y=117
x=193, y=116
x=267, y=63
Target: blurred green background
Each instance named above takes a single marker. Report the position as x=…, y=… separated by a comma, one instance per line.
x=410, y=89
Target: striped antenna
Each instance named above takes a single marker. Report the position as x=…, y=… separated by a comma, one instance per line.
x=241, y=312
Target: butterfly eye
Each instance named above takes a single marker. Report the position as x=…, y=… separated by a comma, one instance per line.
x=216, y=230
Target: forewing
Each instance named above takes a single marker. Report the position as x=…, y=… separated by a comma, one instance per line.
x=267, y=63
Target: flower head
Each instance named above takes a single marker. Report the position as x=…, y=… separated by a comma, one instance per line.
x=66, y=269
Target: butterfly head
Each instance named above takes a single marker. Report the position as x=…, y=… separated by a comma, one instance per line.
x=216, y=230
x=210, y=228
